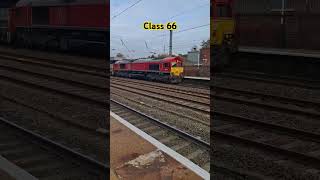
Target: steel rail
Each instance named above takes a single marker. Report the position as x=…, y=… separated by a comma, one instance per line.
x=61, y=148
x=281, y=80
x=167, y=89
x=164, y=94
x=161, y=99
x=181, y=133
x=267, y=126
x=57, y=64
x=267, y=105
x=251, y=143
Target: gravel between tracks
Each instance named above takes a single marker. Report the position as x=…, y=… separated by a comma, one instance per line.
x=173, y=100
x=269, y=88
x=274, y=117
x=163, y=105
x=67, y=120
x=239, y=156
x=96, y=62
x=186, y=125
x=77, y=111
x=86, y=141
x=171, y=86
x=151, y=89
x=74, y=76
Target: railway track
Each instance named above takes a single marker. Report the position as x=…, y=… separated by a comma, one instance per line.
x=200, y=84
x=64, y=88
x=63, y=98
x=46, y=159
x=267, y=101
x=260, y=120
x=53, y=82
x=192, y=91
x=187, y=145
x=194, y=103
x=163, y=109
x=267, y=78
x=293, y=144
x=93, y=70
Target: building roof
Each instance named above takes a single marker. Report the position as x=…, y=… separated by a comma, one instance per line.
x=58, y=2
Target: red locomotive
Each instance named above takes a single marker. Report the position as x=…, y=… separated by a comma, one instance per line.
x=57, y=23
x=167, y=70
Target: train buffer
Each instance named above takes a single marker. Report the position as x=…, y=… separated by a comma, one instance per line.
x=135, y=156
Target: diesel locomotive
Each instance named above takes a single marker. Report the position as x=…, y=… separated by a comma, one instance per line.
x=168, y=70
x=60, y=24
x=223, y=41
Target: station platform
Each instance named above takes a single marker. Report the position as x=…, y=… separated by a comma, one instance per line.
x=9, y=171
x=136, y=155
x=278, y=51
x=197, y=78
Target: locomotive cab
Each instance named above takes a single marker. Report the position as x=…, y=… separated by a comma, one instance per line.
x=223, y=40
x=176, y=72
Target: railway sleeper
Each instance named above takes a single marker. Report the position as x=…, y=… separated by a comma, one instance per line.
x=151, y=128
x=45, y=170
x=168, y=139
x=158, y=133
x=18, y=153
x=180, y=146
x=142, y=124
x=31, y=160
x=194, y=154
x=71, y=174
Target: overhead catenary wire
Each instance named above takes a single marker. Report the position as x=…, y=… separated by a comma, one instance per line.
x=186, y=11
x=193, y=28
x=125, y=46
x=126, y=9
x=174, y=16
x=177, y=42
x=184, y=30
x=117, y=9
x=148, y=49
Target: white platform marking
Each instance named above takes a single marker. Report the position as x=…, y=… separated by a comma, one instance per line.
x=178, y=157
x=197, y=78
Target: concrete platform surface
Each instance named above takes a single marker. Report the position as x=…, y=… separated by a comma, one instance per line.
x=5, y=176
x=279, y=51
x=134, y=158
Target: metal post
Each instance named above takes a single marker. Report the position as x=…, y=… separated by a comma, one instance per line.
x=199, y=60
x=170, y=44
x=283, y=25
x=282, y=12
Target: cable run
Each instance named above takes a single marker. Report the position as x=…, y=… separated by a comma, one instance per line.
x=126, y=9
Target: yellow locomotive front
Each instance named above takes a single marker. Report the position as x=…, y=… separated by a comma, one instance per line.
x=222, y=33
x=177, y=71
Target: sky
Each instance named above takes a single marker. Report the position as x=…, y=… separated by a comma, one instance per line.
x=129, y=38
